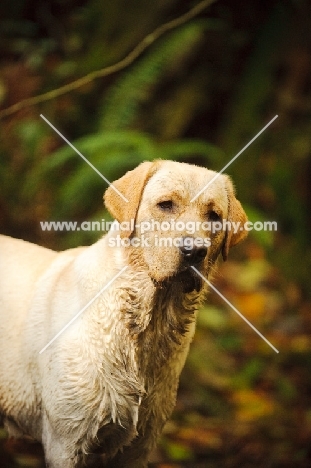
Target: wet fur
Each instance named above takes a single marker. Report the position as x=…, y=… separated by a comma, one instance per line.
x=108, y=384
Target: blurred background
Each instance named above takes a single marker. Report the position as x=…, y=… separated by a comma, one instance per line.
x=198, y=94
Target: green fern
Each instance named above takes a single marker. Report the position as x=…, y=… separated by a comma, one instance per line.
x=122, y=103
x=112, y=153
x=191, y=148
x=98, y=144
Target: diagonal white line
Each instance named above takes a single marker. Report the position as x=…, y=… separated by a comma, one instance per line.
x=83, y=309
x=235, y=309
x=234, y=158
x=84, y=158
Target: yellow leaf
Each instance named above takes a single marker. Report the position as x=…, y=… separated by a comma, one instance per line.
x=252, y=405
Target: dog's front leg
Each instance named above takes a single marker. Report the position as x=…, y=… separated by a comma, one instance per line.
x=59, y=452
x=136, y=455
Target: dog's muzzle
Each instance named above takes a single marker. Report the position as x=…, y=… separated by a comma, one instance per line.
x=191, y=255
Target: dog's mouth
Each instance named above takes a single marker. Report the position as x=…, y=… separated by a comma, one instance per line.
x=189, y=280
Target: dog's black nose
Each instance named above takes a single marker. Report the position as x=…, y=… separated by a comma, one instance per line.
x=192, y=254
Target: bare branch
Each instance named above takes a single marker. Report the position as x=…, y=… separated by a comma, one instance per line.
x=125, y=62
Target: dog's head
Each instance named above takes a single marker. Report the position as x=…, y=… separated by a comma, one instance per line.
x=167, y=227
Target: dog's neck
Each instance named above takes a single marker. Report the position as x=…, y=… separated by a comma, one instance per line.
x=144, y=338
x=168, y=326
x=154, y=332
x=157, y=321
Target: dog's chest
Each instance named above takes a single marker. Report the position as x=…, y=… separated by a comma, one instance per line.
x=159, y=328
x=139, y=365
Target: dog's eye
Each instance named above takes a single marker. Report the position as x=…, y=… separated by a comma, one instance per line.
x=165, y=205
x=213, y=216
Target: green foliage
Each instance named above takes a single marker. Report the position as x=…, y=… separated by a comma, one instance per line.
x=264, y=237
x=124, y=99
x=252, y=91
x=213, y=318
x=112, y=153
x=177, y=451
x=249, y=374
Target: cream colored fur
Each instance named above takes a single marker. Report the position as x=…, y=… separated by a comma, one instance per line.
x=109, y=381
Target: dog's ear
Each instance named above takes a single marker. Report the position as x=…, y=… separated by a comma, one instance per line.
x=131, y=186
x=237, y=215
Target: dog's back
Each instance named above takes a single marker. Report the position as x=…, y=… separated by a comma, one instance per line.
x=21, y=264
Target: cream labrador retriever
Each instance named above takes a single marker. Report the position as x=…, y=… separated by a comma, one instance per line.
x=108, y=382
